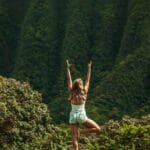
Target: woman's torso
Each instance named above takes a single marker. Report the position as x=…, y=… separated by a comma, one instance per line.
x=78, y=98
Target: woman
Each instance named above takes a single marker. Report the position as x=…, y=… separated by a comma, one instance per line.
x=77, y=97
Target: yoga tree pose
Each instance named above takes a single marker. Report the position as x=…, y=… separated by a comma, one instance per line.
x=77, y=97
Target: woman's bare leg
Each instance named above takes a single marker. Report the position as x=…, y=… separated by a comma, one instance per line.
x=91, y=127
x=74, y=130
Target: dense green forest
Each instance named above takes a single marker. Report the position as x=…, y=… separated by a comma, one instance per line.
x=36, y=37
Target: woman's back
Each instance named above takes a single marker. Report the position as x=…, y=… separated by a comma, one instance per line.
x=78, y=93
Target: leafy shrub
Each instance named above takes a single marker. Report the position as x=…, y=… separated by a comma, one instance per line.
x=24, y=120
x=128, y=134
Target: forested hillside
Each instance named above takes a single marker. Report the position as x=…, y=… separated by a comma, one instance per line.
x=11, y=17
x=36, y=37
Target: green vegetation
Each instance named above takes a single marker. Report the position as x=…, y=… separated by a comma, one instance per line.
x=11, y=17
x=37, y=37
x=75, y=47
x=125, y=92
x=32, y=61
x=136, y=33
x=38, y=57
x=127, y=134
x=25, y=122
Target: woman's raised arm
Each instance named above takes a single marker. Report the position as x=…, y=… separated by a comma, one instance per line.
x=88, y=77
x=69, y=80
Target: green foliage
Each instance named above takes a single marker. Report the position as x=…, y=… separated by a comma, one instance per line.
x=76, y=45
x=32, y=61
x=24, y=120
x=114, y=34
x=137, y=29
x=7, y=38
x=109, y=26
x=10, y=24
x=125, y=90
x=128, y=134
x=38, y=59
x=75, y=48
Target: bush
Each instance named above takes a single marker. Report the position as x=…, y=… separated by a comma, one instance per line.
x=24, y=120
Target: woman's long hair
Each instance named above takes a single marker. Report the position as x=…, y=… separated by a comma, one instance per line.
x=77, y=92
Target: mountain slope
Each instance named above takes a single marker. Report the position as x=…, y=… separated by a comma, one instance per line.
x=114, y=34
x=11, y=18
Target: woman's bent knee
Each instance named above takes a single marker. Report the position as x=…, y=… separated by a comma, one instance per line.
x=98, y=129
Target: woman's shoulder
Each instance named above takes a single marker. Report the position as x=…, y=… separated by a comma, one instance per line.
x=85, y=91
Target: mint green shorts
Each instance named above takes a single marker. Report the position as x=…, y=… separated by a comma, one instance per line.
x=77, y=117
